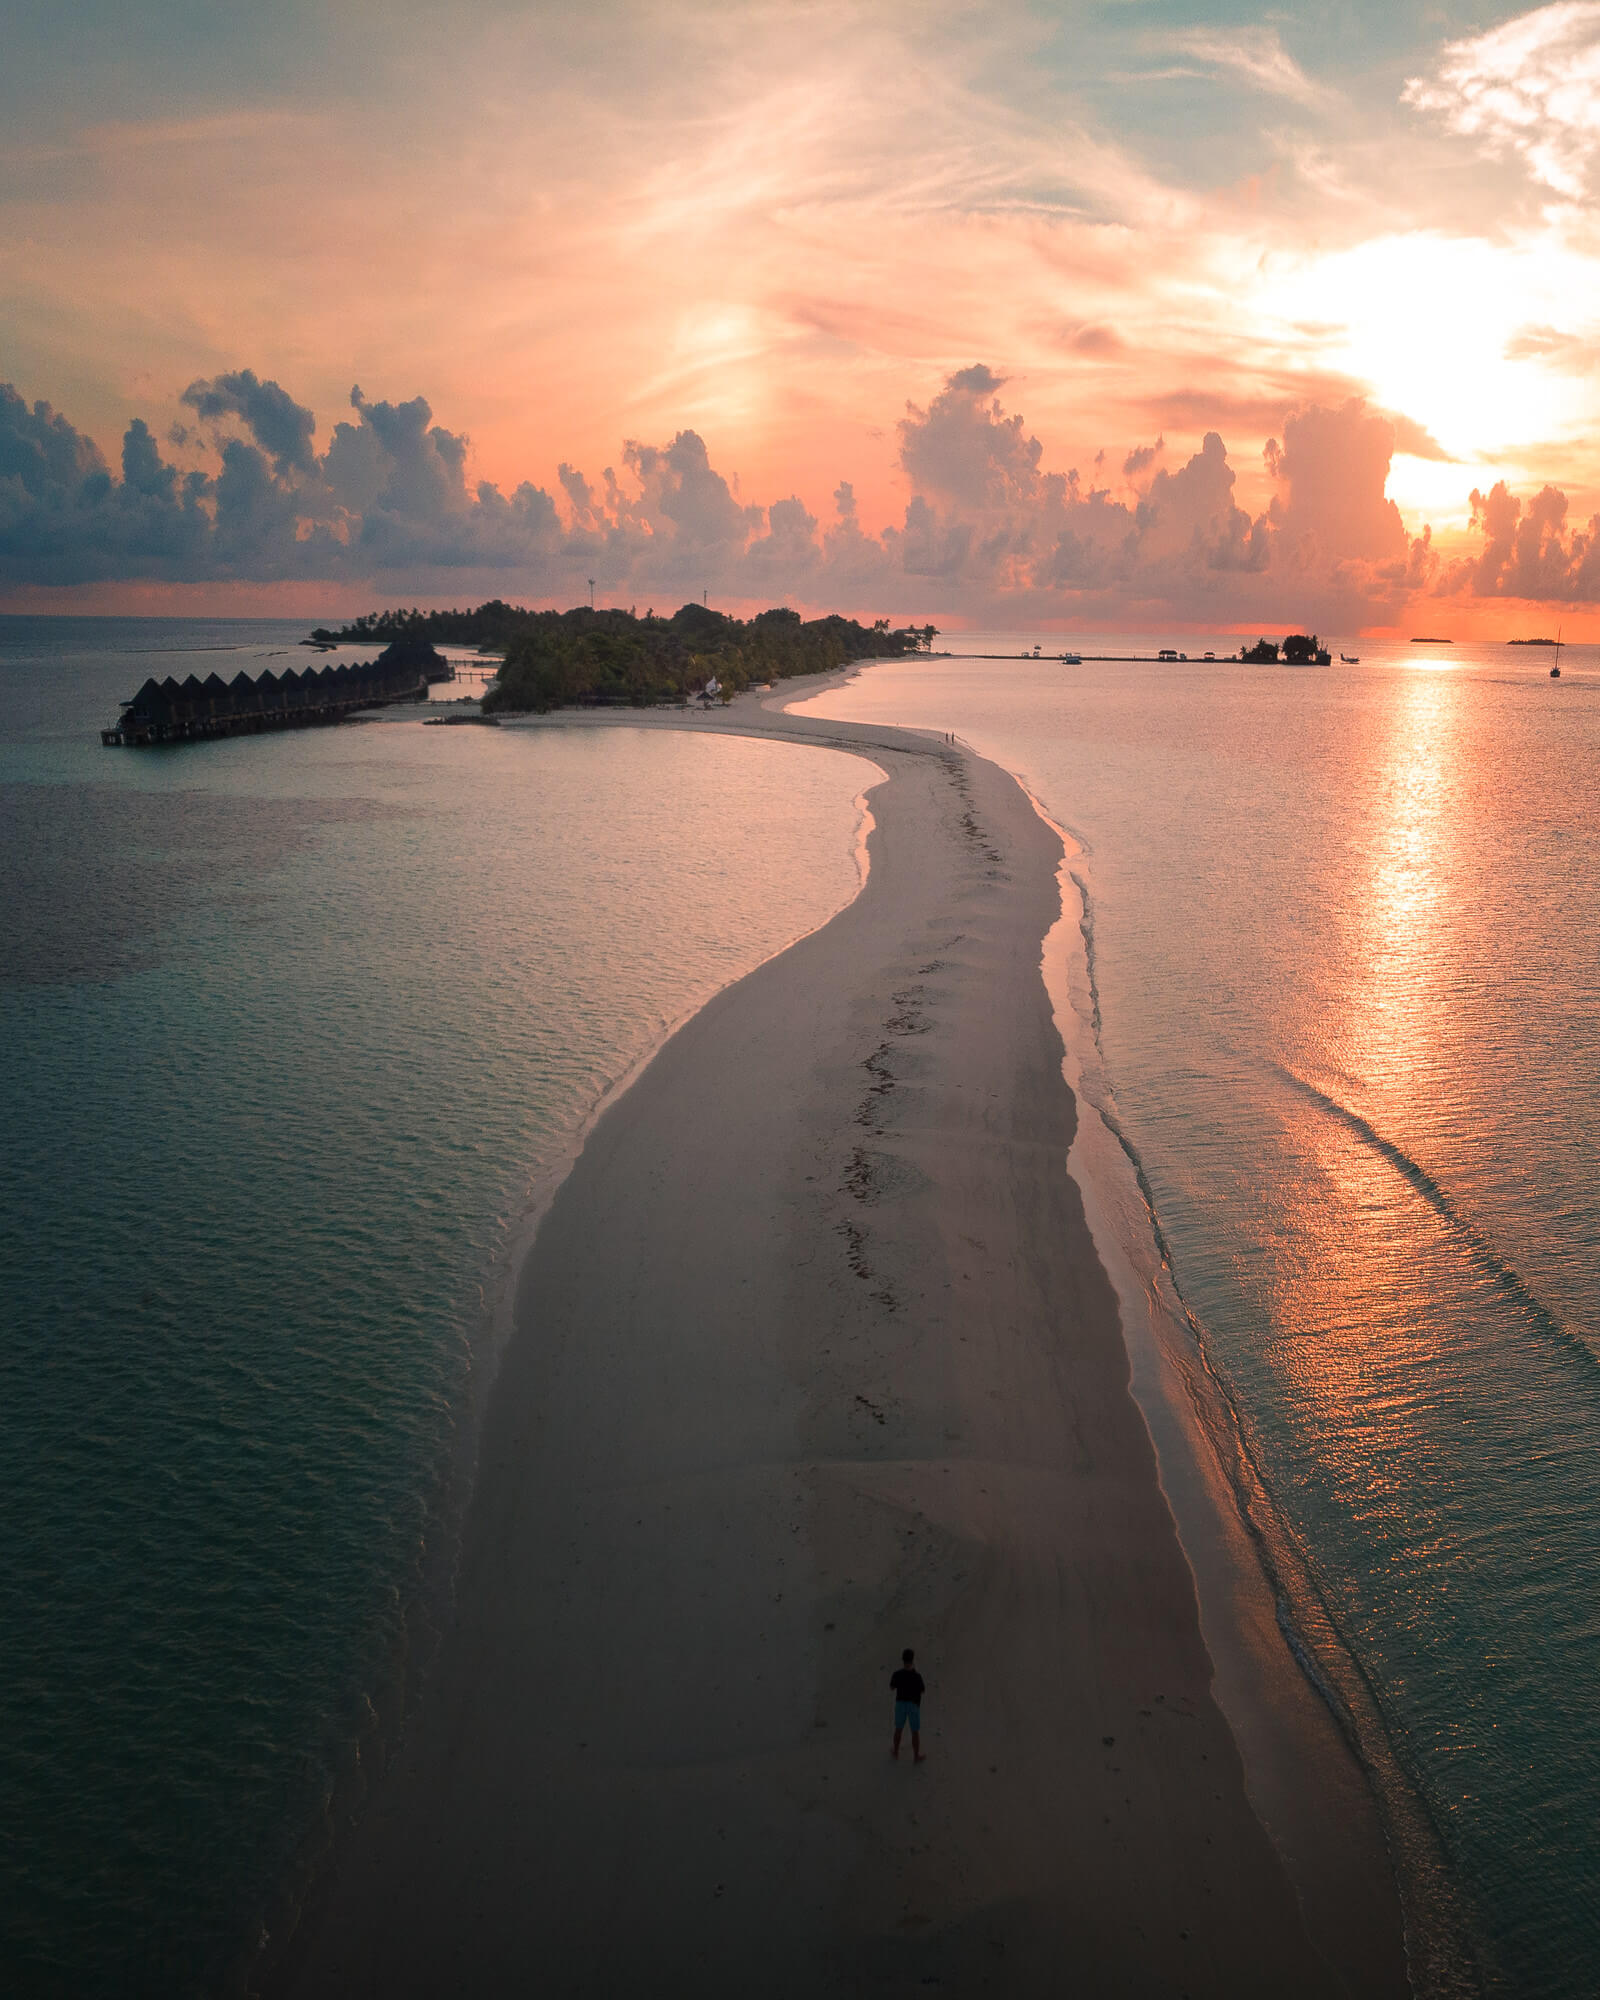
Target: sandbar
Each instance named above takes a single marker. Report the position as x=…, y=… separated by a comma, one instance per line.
x=814, y=1359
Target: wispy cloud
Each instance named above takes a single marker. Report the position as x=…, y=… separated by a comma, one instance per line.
x=1256, y=55
x=1576, y=353
x=771, y=226
x=1529, y=89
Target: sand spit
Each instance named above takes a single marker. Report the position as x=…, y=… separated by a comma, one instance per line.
x=814, y=1360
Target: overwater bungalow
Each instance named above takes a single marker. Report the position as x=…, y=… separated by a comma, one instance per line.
x=191, y=711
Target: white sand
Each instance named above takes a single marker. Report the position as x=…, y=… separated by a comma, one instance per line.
x=815, y=1359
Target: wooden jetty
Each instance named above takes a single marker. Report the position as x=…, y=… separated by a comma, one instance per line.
x=192, y=711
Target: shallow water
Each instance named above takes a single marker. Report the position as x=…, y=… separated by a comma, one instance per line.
x=293, y=1026
x=1342, y=924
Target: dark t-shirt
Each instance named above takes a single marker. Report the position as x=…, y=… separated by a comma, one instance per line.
x=907, y=1684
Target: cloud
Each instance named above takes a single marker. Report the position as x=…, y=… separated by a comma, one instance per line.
x=1576, y=353
x=962, y=447
x=1529, y=89
x=1258, y=412
x=789, y=550
x=1189, y=517
x=988, y=529
x=1415, y=439
x=991, y=525
x=282, y=427
x=977, y=380
x=65, y=519
x=1529, y=550
x=1096, y=341
x=40, y=451
x=1333, y=469
x=683, y=499
x=1255, y=54
x=388, y=497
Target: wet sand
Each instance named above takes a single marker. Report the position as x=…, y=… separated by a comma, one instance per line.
x=814, y=1359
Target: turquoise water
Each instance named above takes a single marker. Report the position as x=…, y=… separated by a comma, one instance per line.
x=293, y=1026
x=1342, y=926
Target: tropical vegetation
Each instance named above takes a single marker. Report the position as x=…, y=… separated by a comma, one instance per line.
x=557, y=659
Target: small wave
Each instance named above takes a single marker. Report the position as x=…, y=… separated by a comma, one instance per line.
x=1441, y=1962
x=1086, y=930
x=1482, y=1252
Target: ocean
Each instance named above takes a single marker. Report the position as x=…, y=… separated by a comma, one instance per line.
x=300, y=1027
x=1338, y=928
x=298, y=1030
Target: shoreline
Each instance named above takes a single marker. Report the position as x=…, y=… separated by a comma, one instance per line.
x=301, y=1891
x=1022, y=1532
x=1310, y=1719
x=1260, y=1606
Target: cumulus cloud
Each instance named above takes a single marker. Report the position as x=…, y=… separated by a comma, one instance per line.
x=1529, y=90
x=1189, y=517
x=65, y=519
x=1333, y=467
x=1529, y=550
x=989, y=516
x=40, y=451
x=282, y=427
x=988, y=527
x=964, y=447
x=684, y=499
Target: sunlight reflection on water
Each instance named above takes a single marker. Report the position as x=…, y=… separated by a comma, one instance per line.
x=1343, y=928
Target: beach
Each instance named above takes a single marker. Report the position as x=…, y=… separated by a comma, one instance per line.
x=814, y=1359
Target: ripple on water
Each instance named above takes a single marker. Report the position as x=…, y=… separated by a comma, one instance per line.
x=292, y=1030
x=1343, y=955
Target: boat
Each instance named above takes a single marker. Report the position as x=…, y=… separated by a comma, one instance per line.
x=1351, y=659
x=1072, y=659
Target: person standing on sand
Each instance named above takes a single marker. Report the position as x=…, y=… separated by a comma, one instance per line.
x=908, y=1687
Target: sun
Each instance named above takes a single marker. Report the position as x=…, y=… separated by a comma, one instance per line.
x=1437, y=328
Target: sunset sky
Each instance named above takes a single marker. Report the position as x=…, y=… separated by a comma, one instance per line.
x=1138, y=312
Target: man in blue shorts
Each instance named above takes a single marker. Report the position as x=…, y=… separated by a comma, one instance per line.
x=908, y=1687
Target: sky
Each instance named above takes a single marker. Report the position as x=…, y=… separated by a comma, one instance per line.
x=1049, y=315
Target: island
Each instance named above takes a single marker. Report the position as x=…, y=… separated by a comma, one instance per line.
x=1300, y=649
x=614, y=658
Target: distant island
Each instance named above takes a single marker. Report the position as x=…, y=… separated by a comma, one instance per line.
x=1424, y=640
x=588, y=658
x=1300, y=649
x=1533, y=642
